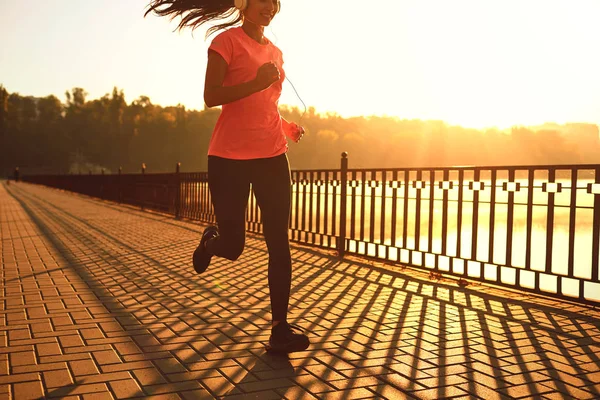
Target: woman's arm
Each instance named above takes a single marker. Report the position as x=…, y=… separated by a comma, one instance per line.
x=215, y=94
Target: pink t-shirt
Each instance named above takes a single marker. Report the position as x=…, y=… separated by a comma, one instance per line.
x=251, y=127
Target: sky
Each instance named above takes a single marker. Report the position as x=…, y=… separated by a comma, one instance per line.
x=475, y=63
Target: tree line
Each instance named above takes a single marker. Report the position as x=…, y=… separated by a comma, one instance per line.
x=47, y=135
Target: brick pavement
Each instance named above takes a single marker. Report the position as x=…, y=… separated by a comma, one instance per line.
x=100, y=301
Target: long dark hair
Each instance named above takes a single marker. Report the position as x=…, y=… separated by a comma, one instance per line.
x=194, y=13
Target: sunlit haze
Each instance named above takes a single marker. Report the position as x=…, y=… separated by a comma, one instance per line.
x=475, y=63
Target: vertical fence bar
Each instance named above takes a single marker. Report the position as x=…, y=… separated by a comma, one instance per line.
x=405, y=211
x=416, y=183
x=183, y=196
x=178, y=191
x=476, y=186
x=199, y=193
x=372, y=184
x=303, y=185
x=510, y=220
x=445, y=180
x=189, y=195
x=529, y=226
x=334, y=192
x=382, y=216
x=461, y=188
x=492, y=217
x=297, y=206
x=344, y=190
x=595, y=235
x=318, y=209
x=363, y=199
x=311, y=206
x=572, y=224
x=596, y=228
x=431, y=213
x=326, y=209
x=394, y=185
x=550, y=222
x=291, y=214
x=353, y=185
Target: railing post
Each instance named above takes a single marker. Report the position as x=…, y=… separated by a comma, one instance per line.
x=102, y=184
x=178, y=190
x=141, y=198
x=119, y=189
x=341, y=243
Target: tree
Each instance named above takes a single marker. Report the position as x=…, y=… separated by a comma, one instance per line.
x=44, y=135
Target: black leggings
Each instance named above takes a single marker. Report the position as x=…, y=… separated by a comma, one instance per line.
x=229, y=182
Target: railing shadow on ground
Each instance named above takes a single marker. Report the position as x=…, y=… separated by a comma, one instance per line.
x=365, y=321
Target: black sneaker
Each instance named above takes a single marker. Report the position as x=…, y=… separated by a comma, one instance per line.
x=286, y=338
x=201, y=258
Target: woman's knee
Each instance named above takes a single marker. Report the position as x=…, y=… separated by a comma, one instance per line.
x=231, y=245
x=232, y=238
x=233, y=251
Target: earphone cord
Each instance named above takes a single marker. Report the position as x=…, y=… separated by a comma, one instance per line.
x=288, y=79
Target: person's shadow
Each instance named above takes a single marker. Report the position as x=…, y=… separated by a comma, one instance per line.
x=270, y=367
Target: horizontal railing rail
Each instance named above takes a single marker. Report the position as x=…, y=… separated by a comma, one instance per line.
x=532, y=228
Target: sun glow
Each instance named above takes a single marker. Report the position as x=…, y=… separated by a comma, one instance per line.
x=472, y=63
x=467, y=62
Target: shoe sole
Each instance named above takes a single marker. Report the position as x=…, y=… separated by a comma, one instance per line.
x=197, y=260
x=299, y=346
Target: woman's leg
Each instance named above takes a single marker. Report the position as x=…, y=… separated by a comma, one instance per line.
x=229, y=185
x=272, y=187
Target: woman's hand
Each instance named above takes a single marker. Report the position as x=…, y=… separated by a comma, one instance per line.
x=267, y=75
x=297, y=132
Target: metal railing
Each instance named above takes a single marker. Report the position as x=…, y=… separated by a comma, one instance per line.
x=532, y=228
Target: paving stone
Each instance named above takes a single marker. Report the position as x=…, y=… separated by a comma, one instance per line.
x=83, y=367
x=191, y=395
x=28, y=390
x=218, y=386
x=38, y=367
x=441, y=392
x=22, y=358
x=98, y=396
x=125, y=389
x=350, y=394
x=266, y=395
x=294, y=393
x=193, y=376
x=77, y=390
x=48, y=349
x=58, y=378
x=148, y=376
x=99, y=378
x=314, y=384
